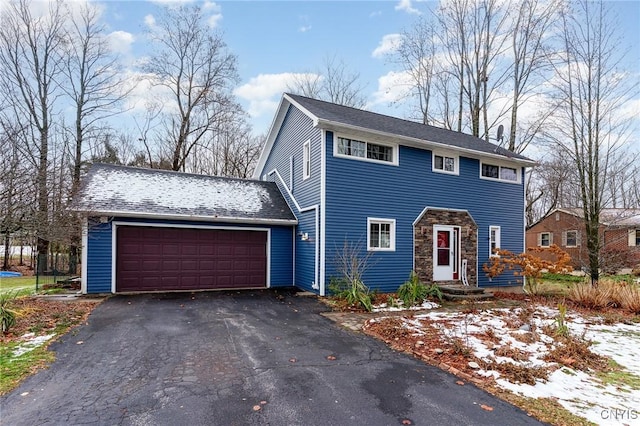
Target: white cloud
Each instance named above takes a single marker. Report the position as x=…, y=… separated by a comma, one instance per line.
x=375, y=13
x=304, y=28
x=150, y=21
x=213, y=20
x=388, y=44
x=211, y=6
x=407, y=6
x=392, y=87
x=120, y=42
x=264, y=91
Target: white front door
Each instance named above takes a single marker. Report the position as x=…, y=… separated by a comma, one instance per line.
x=446, y=252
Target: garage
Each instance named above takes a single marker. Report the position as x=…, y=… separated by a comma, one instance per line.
x=152, y=230
x=168, y=259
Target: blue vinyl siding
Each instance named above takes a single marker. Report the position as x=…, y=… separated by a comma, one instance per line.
x=99, y=255
x=306, y=251
x=297, y=129
x=356, y=190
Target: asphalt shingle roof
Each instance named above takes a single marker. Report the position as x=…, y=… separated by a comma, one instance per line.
x=349, y=116
x=131, y=191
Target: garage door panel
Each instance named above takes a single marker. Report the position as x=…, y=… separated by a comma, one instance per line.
x=160, y=258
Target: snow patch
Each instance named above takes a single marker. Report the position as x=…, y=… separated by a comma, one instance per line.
x=31, y=341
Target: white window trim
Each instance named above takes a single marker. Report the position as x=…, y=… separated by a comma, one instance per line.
x=393, y=146
x=306, y=160
x=550, y=239
x=566, y=238
x=392, y=232
x=456, y=164
x=499, y=164
x=497, y=240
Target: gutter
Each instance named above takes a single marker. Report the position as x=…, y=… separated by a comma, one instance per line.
x=420, y=143
x=192, y=218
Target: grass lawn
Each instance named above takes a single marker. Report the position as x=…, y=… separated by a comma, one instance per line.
x=17, y=284
x=26, y=284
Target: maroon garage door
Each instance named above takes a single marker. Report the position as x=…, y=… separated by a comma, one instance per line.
x=152, y=259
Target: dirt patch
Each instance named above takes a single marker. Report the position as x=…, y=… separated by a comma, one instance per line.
x=41, y=315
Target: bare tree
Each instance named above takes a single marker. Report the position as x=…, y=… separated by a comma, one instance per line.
x=532, y=20
x=31, y=55
x=333, y=82
x=472, y=35
x=587, y=126
x=193, y=64
x=416, y=54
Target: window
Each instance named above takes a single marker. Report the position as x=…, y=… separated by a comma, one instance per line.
x=544, y=239
x=634, y=237
x=571, y=239
x=306, y=160
x=445, y=164
x=366, y=150
x=494, y=240
x=381, y=234
x=637, y=237
x=492, y=171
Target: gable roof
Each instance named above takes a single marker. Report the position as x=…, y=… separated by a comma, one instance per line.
x=614, y=217
x=332, y=116
x=110, y=190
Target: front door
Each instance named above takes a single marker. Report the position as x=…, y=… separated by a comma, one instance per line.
x=446, y=252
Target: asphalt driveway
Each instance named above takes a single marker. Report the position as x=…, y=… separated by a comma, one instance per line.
x=241, y=358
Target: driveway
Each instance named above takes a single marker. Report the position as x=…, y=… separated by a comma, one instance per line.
x=238, y=358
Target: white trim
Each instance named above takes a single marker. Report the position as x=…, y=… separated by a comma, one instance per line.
x=456, y=162
x=323, y=209
x=392, y=233
x=443, y=209
x=395, y=154
x=290, y=187
x=497, y=241
x=500, y=165
x=188, y=217
x=306, y=160
x=85, y=256
x=114, y=229
x=419, y=143
x=317, y=223
x=540, y=234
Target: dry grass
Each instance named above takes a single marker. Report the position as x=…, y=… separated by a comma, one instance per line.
x=608, y=294
x=574, y=352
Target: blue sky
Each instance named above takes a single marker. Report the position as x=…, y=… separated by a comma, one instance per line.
x=275, y=38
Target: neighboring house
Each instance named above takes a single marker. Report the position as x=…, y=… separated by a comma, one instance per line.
x=413, y=196
x=157, y=230
x=619, y=231
x=407, y=196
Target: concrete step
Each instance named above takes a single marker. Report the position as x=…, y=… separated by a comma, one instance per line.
x=470, y=297
x=449, y=289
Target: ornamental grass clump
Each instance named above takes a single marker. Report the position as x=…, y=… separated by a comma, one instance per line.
x=414, y=292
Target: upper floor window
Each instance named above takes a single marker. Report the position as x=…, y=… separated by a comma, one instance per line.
x=366, y=150
x=494, y=240
x=381, y=234
x=306, y=160
x=494, y=171
x=445, y=163
x=545, y=239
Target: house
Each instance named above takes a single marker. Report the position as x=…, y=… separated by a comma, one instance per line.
x=399, y=194
x=415, y=197
x=619, y=233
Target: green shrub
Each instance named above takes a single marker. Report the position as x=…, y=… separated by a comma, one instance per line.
x=414, y=292
x=354, y=292
x=7, y=315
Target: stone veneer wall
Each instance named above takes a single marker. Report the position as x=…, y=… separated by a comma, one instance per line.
x=423, y=243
